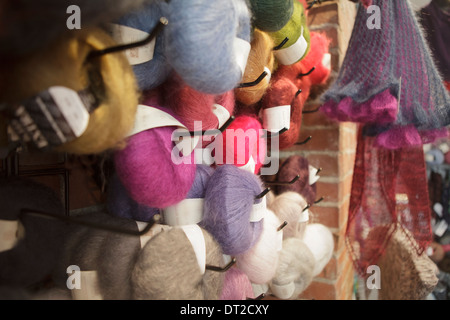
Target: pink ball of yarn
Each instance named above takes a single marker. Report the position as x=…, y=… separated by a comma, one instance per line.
x=259, y=263
x=146, y=169
x=236, y=286
x=243, y=140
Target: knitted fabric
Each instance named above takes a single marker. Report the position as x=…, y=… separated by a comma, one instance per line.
x=389, y=191
x=388, y=80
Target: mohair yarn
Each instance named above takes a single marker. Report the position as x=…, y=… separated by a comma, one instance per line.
x=203, y=57
x=270, y=15
x=260, y=59
x=64, y=63
x=319, y=240
x=229, y=199
x=259, y=262
x=146, y=169
x=236, y=286
x=167, y=269
x=152, y=73
x=295, y=270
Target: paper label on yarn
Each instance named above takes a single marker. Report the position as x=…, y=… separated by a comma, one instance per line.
x=250, y=166
x=156, y=229
x=186, y=212
x=280, y=240
x=148, y=117
x=313, y=177
x=326, y=61
x=438, y=209
x=53, y=117
x=125, y=35
x=440, y=228
x=196, y=238
x=269, y=74
x=221, y=113
x=284, y=291
x=277, y=118
x=9, y=234
x=242, y=51
x=292, y=54
x=303, y=217
x=259, y=211
x=444, y=147
x=89, y=287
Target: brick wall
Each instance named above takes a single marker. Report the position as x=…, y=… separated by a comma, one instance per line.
x=331, y=148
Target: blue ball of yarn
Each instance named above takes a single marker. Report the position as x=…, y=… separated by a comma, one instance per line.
x=152, y=73
x=200, y=42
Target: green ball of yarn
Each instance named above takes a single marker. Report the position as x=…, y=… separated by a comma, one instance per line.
x=293, y=31
x=271, y=15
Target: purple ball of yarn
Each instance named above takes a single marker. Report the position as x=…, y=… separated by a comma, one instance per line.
x=120, y=204
x=198, y=188
x=229, y=199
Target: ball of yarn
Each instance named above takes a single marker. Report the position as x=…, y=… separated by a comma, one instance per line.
x=36, y=242
x=229, y=199
x=260, y=59
x=33, y=25
x=167, y=269
x=244, y=144
x=269, y=15
x=192, y=106
x=152, y=73
x=203, y=56
x=65, y=64
x=259, y=262
x=319, y=240
x=294, y=271
x=289, y=207
x=236, y=286
x=290, y=168
x=146, y=169
x=292, y=30
x=119, y=203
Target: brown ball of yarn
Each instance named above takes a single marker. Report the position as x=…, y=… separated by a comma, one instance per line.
x=260, y=57
x=167, y=269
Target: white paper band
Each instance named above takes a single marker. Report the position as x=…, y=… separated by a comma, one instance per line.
x=89, y=287
x=186, y=212
x=221, y=113
x=250, y=166
x=148, y=117
x=326, y=61
x=283, y=291
x=313, y=177
x=125, y=35
x=241, y=50
x=290, y=55
x=195, y=235
x=157, y=228
x=277, y=118
x=259, y=211
x=9, y=234
x=303, y=217
x=269, y=74
x=72, y=108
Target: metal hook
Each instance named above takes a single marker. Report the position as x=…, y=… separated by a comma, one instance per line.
x=306, y=74
x=304, y=142
x=90, y=224
x=260, y=297
x=311, y=4
x=306, y=208
x=283, y=183
x=319, y=170
x=220, y=269
x=311, y=111
x=207, y=132
x=274, y=134
x=254, y=83
x=298, y=92
x=262, y=194
x=278, y=47
x=284, y=224
x=319, y=200
x=96, y=53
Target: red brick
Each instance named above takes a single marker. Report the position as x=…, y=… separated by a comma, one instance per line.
x=324, y=139
x=330, y=270
x=328, y=216
x=328, y=162
x=317, y=118
x=329, y=191
x=325, y=14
